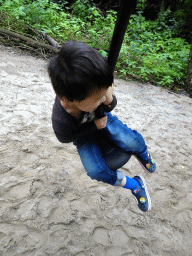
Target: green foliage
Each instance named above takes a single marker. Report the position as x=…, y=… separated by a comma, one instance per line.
x=97, y=29
x=141, y=4
x=14, y=7
x=152, y=50
x=85, y=10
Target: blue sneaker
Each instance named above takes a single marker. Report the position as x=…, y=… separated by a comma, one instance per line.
x=148, y=165
x=142, y=195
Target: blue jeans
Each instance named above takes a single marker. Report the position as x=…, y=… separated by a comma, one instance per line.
x=94, y=163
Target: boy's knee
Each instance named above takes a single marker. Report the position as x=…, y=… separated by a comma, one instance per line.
x=96, y=173
x=92, y=174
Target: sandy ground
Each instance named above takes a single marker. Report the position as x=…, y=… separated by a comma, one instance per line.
x=49, y=206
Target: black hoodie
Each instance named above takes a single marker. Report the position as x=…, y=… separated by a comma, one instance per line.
x=67, y=128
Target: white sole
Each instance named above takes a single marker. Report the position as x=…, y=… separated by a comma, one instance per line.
x=146, y=190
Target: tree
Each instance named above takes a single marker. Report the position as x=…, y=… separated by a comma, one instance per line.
x=188, y=83
x=184, y=14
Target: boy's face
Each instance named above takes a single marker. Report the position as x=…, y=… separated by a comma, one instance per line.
x=91, y=102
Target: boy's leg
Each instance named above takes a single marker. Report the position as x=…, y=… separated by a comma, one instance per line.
x=94, y=163
x=96, y=168
x=124, y=137
x=130, y=141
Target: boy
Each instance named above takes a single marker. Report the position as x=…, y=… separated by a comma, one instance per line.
x=82, y=80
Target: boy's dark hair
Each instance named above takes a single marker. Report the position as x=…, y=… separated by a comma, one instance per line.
x=78, y=70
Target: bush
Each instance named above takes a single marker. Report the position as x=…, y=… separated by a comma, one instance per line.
x=151, y=51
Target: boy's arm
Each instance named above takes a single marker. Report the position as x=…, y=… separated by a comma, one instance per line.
x=67, y=128
x=99, y=112
x=111, y=106
x=111, y=101
x=109, y=96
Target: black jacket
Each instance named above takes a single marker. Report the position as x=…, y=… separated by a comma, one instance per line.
x=67, y=128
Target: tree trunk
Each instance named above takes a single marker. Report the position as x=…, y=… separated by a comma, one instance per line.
x=188, y=83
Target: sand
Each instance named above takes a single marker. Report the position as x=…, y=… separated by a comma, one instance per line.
x=48, y=204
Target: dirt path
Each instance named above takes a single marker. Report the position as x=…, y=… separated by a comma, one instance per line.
x=49, y=206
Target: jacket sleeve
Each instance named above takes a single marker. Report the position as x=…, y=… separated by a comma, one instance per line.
x=109, y=108
x=100, y=111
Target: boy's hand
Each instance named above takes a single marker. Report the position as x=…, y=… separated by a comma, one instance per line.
x=101, y=123
x=109, y=95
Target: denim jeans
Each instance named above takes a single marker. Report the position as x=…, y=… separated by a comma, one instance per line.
x=94, y=163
